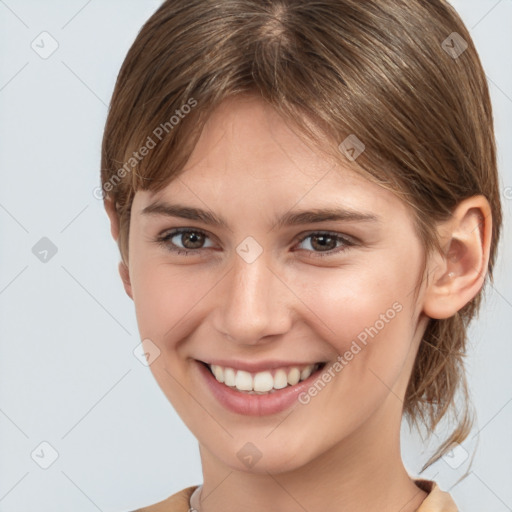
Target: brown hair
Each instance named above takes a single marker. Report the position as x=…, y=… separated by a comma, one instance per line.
x=395, y=73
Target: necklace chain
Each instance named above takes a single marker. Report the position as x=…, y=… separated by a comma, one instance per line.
x=195, y=499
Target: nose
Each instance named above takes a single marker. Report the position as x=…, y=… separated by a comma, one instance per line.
x=254, y=303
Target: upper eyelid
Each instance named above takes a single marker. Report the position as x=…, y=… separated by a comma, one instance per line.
x=298, y=238
x=177, y=231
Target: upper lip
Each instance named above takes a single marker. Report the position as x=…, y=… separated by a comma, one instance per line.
x=259, y=366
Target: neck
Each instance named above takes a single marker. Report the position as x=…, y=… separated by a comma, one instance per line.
x=364, y=472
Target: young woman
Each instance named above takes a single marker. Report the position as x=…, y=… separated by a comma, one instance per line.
x=306, y=202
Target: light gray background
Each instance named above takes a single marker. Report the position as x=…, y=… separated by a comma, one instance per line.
x=67, y=331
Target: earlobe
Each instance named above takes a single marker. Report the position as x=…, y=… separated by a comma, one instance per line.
x=125, y=277
x=114, y=229
x=113, y=216
x=460, y=273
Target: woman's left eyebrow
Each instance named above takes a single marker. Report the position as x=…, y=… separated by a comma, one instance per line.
x=325, y=214
x=291, y=218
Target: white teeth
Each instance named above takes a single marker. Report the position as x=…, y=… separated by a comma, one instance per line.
x=280, y=379
x=293, y=376
x=243, y=381
x=219, y=374
x=304, y=374
x=261, y=382
x=229, y=376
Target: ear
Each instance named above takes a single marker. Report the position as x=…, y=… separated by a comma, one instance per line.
x=459, y=273
x=114, y=230
x=110, y=208
x=125, y=276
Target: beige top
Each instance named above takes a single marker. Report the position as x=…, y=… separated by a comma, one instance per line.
x=436, y=501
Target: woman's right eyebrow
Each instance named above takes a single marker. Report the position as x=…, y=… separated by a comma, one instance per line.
x=291, y=218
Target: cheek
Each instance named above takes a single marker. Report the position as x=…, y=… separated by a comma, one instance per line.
x=166, y=300
x=166, y=296
x=349, y=299
x=365, y=316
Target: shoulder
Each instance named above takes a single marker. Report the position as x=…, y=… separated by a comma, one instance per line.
x=178, y=502
x=437, y=500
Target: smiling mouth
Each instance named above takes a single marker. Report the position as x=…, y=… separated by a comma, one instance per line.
x=265, y=382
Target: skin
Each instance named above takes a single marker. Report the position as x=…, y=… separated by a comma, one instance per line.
x=341, y=451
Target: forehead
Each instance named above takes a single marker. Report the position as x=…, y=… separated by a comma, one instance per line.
x=246, y=129
x=248, y=155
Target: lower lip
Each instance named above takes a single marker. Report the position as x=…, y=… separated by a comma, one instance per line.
x=255, y=405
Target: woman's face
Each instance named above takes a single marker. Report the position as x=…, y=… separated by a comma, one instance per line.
x=268, y=292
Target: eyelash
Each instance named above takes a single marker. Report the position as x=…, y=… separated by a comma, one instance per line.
x=164, y=240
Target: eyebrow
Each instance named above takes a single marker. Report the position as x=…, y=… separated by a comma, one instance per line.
x=311, y=216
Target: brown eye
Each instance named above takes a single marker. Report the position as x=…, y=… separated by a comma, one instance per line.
x=323, y=242
x=184, y=241
x=192, y=239
x=326, y=243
